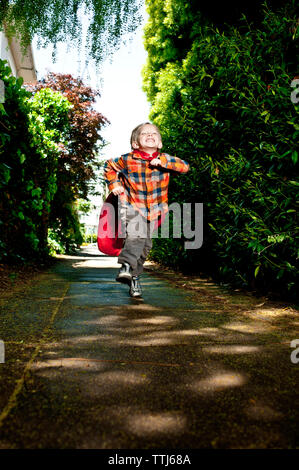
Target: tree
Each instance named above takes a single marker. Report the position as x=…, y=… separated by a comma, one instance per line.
x=78, y=154
x=61, y=20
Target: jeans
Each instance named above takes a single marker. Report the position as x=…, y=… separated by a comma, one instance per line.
x=138, y=240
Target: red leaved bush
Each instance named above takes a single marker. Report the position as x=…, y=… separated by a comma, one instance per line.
x=77, y=159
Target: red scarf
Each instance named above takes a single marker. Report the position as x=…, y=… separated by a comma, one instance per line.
x=146, y=156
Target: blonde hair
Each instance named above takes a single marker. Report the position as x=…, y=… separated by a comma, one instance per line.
x=137, y=131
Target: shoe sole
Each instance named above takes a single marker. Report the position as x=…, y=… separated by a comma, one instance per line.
x=138, y=296
x=124, y=279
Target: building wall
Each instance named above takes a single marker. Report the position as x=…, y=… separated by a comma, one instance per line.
x=22, y=65
x=6, y=54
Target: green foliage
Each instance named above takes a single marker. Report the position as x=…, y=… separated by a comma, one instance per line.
x=78, y=163
x=54, y=244
x=66, y=230
x=78, y=160
x=29, y=153
x=224, y=105
x=84, y=206
x=63, y=20
x=90, y=238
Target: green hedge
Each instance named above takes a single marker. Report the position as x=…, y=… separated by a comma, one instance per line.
x=226, y=108
x=28, y=160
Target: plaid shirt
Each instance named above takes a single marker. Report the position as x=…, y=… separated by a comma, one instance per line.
x=145, y=186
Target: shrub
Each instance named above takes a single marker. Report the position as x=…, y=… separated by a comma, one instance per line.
x=226, y=108
x=29, y=153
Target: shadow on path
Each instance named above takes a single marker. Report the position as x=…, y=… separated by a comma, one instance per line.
x=175, y=370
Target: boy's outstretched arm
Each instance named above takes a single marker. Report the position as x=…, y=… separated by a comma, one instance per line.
x=171, y=163
x=111, y=170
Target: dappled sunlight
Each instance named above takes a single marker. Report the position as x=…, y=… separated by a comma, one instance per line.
x=163, y=333
x=144, y=307
x=124, y=377
x=118, y=329
x=156, y=423
x=271, y=313
x=93, y=371
x=207, y=283
x=133, y=330
x=99, y=263
x=106, y=320
x=218, y=382
x=84, y=339
x=231, y=349
x=247, y=327
x=130, y=336
x=93, y=255
x=156, y=370
x=111, y=382
x=68, y=363
x=160, y=338
x=222, y=334
x=183, y=333
x=208, y=331
x=158, y=320
x=68, y=257
x=99, y=309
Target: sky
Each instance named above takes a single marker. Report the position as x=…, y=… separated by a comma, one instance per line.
x=119, y=81
x=122, y=100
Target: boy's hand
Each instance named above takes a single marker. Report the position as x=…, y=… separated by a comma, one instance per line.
x=118, y=190
x=155, y=162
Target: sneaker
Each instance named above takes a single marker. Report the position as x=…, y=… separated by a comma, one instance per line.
x=124, y=274
x=135, y=289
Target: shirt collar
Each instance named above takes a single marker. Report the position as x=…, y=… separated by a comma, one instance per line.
x=144, y=155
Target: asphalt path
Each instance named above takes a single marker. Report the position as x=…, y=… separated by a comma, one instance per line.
x=88, y=367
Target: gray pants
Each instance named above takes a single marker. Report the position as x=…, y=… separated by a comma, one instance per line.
x=138, y=241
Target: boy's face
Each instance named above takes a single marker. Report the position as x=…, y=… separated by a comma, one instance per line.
x=149, y=139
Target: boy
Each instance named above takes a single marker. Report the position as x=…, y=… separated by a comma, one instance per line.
x=140, y=179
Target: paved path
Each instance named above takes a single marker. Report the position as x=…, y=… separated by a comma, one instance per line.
x=89, y=367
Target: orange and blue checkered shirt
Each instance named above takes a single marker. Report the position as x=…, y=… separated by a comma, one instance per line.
x=145, y=186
